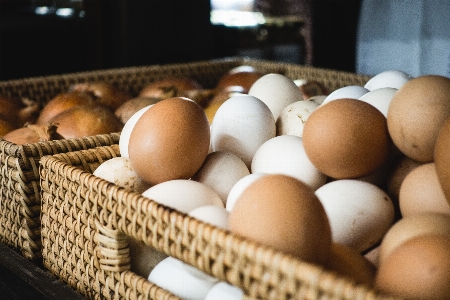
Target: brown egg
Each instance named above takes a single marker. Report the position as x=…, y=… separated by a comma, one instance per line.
x=442, y=158
x=400, y=168
x=169, y=141
x=421, y=192
x=282, y=212
x=350, y=263
x=417, y=269
x=416, y=113
x=412, y=226
x=346, y=138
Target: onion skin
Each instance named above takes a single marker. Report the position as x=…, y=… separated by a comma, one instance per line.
x=169, y=87
x=86, y=120
x=104, y=93
x=33, y=133
x=61, y=102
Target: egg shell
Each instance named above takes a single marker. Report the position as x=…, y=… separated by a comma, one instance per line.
x=359, y=212
x=220, y=171
x=224, y=291
x=169, y=141
x=349, y=91
x=442, y=158
x=119, y=171
x=380, y=98
x=417, y=269
x=285, y=154
x=411, y=226
x=239, y=187
x=282, y=212
x=389, y=78
x=293, y=117
x=348, y=262
x=416, y=114
x=421, y=192
x=124, y=138
x=170, y=275
x=276, y=91
x=347, y=139
x=241, y=125
x=183, y=195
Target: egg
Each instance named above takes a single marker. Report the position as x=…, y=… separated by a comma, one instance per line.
x=285, y=155
x=380, y=98
x=282, y=212
x=388, y=79
x=359, y=212
x=399, y=169
x=224, y=291
x=220, y=171
x=411, y=226
x=276, y=91
x=442, y=158
x=212, y=214
x=169, y=141
x=346, y=139
x=349, y=91
x=293, y=117
x=241, y=125
x=143, y=258
x=417, y=269
x=416, y=113
x=421, y=192
x=183, y=195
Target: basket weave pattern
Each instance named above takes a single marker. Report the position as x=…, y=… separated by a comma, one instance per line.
x=86, y=222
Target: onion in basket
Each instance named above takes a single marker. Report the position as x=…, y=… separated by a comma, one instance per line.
x=33, y=133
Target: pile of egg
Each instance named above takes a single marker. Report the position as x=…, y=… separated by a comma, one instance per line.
x=356, y=181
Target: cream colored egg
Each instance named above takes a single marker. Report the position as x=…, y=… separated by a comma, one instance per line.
x=183, y=195
x=359, y=212
x=239, y=187
x=285, y=154
x=350, y=91
x=293, y=117
x=276, y=91
x=211, y=214
x=380, y=98
x=241, y=125
x=220, y=171
x=389, y=78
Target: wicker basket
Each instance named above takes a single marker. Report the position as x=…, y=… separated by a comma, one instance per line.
x=86, y=222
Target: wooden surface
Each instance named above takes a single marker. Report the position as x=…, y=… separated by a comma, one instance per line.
x=21, y=279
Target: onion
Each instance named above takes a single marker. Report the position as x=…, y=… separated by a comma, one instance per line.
x=169, y=87
x=130, y=107
x=33, y=133
x=105, y=93
x=61, y=102
x=19, y=111
x=6, y=126
x=86, y=120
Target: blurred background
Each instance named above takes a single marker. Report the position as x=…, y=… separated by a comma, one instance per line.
x=47, y=37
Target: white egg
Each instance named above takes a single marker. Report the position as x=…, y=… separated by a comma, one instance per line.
x=170, y=275
x=211, y=214
x=380, y=98
x=293, y=117
x=241, y=125
x=220, y=171
x=277, y=91
x=239, y=187
x=224, y=291
x=360, y=213
x=183, y=195
x=390, y=78
x=126, y=131
x=118, y=170
x=350, y=91
x=285, y=154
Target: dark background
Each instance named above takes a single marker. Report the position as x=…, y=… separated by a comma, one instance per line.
x=121, y=33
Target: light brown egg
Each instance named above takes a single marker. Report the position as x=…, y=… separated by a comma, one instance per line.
x=346, y=138
x=421, y=192
x=412, y=226
x=169, y=141
x=417, y=269
x=282, y=212
x=442, y=158
x=350, y=263
x=416, y=113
